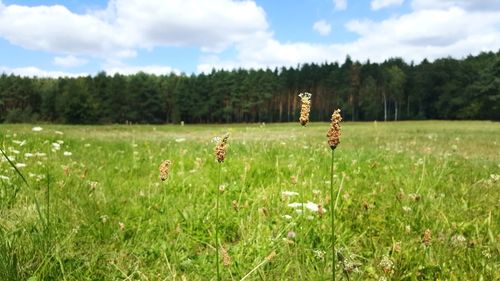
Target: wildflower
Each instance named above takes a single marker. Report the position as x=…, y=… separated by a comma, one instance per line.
x=37, y=129
x=458, y=240
x=164, y=169
x=56, y=146
x=291, y=235
x=386, y=264
x=319, y=254
x=289, y=193
x=20, y=165
x=180, y=140
x=28, y=155
x=5, y=178
x=59, y=133
x=104, y=218
x=234, y=203
x=333, y=134
x=20, y=143
x=407, y=228
x=220, y=148
x=309, y=205
x=414, y=196
x=397, y=247
x=427, y=237
x=287, y=217
x=67, y=153
x=486, y=253
x=406, y=209
x=305, y=98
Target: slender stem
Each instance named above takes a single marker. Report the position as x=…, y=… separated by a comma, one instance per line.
x=217, y=225
x=48, y=232
x=333, y=216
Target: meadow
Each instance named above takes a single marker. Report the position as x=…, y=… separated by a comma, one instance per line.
x=419, y=201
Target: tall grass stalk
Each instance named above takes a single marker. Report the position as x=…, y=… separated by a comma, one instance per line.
x=333, y=214
x=220, y=155
x=217, y=222
x=333, y=136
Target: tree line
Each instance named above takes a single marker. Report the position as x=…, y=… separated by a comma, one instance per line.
x=447, y=88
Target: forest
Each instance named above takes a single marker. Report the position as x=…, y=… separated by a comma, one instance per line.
x=447, y=88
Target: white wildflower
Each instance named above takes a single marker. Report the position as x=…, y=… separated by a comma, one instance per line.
x=180, y=140
x=287, y=217
x=60, y=141
x=289, y=193
x=40, y=154
x=28, y=155
x=458, y=240
x=319, y=254
x=5, y=178
x=59, y=133
x=386, y=264
x=86, y=145
x=37, y=129
x=67, y=153
x=20, y=143
x=309, y=205
x=20, y=165
x=56, y=146
x=406, y=209
x=486, y=253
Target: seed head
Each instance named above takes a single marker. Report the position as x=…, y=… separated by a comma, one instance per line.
x=271, y=256
x=427, y=237
x=333, y=134
x=226, y=259
x=164, y=169
x=305, y=99
x=220, y=148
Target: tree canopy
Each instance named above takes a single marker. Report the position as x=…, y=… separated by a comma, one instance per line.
x=447, y=88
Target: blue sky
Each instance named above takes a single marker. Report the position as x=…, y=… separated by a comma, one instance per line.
x=59, y=38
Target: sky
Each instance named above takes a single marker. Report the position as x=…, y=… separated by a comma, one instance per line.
x=51, y=38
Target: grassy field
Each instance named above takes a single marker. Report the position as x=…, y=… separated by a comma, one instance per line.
x=94, y=207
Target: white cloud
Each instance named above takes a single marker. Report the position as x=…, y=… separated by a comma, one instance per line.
x=126, y=25
x=379, y=4
x=340, y=5
x=31, y=71
x=432, y=29
x=69, y=61
x=322, y=27
x=420, y=34
x=465, y=4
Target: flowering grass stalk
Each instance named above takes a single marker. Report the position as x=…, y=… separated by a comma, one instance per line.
x=333, y=136
x=220, y=155
x=305, y=109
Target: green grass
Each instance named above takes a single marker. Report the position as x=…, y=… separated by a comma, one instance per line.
x=399, y=179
